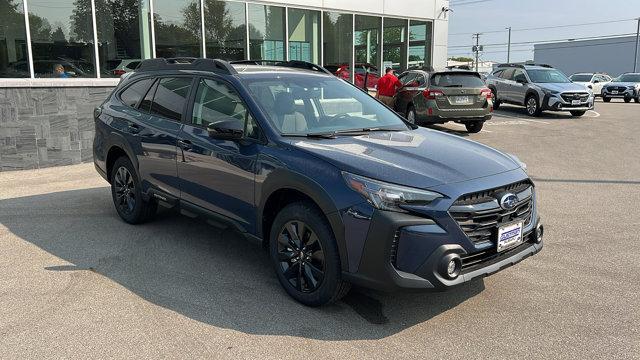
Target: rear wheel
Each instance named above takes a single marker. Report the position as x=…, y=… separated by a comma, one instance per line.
x=411, y=114
x=127, y=194
x=606, y=99
x=496, y=102
x=474, y=127
x=305, y=255
x=533, y=106
x=577, y=113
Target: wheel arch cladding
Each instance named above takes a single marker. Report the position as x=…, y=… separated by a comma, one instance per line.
x=289, y=188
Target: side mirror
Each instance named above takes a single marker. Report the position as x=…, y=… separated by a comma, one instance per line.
x=521, y=81
x=227, y=129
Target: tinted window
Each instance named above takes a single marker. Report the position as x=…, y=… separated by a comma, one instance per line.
x=629, y=78
x=498, y=73
x=547, y=76
x=148, y=99
x=456, y=80
x=518, y=75
x=215, y=102
x=581, y=78
x=421, y=80
x=135, y=92
x=507, y=74
x=409, y=77
x=170, y=97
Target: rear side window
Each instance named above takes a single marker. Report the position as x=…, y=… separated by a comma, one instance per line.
x=135, y=92
x=508, y=74
x=456, y=80
x=170, y=97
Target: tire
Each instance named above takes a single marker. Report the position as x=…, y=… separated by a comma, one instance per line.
x=606, y=99
x=474, y=127
x=411, y=114
x=637, y=99
x=532, y=106
x=312, y=276
x=577, y=113
x=627, y=100
x=127, y=194
x=496, y=102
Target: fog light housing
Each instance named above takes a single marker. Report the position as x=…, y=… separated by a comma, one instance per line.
x=450, y=266
x=539, y=233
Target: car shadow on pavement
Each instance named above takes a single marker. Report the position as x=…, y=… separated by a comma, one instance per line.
x=213, y=276
x=521, y=113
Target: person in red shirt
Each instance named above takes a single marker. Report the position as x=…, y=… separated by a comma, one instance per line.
x=388, y=85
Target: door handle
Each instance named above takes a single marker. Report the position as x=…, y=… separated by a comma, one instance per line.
x=133, y=128
x=185, y=144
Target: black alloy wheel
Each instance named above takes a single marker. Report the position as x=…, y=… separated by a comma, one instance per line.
x=606, y=99
x=301, y=256
x=125, y=191
x=627, y=100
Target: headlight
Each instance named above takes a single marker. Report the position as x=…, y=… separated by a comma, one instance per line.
x=518, y=161
x=550, y=92
x=385, y=196
x=632, y=87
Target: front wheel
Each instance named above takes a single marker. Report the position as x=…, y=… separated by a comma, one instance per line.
x=474, y=127
x=627, y=100
x=637, y=99
x=533, y=106
x=305, y=255
x=606, y=99
x=496, y=102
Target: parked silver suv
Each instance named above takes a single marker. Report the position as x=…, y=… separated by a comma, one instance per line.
x=538, y=88
x=625, y=86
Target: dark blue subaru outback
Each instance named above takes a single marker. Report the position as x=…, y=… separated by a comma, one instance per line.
x=341, y=189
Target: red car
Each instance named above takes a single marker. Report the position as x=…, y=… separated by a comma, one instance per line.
x=342, y=71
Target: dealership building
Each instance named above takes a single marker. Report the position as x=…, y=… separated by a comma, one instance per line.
x=46, y=115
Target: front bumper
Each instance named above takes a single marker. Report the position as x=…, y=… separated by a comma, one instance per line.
x=404, y=251
x=628, y=94
x=557, y=103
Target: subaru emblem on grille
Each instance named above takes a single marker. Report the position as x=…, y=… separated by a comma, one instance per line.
x=508, y=201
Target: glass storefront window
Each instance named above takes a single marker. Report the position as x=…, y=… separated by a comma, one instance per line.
x=304, y=35
x=419, y=44
x=177, y=28
x=266, y=32
x=367, y=42
x=394, y=51
x=124, y=38
x=62, y=38
x=225, y=29
x=338, y=43
x=14, y=61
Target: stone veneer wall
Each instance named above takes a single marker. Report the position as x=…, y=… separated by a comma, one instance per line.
x=42, y=127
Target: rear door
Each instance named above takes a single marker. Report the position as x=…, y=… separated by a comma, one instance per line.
x=157, y=130
x=218, y=175
x=504, y=85
x=519, y=86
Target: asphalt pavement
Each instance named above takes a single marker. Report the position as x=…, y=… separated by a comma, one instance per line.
x=77, y=282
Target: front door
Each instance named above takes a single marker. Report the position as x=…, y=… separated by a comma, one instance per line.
x=218, y=175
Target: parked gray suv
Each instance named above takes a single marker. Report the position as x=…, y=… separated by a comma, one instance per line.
x=625, y=86
x=538, y=88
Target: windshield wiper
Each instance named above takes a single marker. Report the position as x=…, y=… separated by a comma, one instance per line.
x=321, y=135
x=335, y=133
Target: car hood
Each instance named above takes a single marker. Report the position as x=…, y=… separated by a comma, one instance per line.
x=622, y=84
x=561, y=87
x=419, y=158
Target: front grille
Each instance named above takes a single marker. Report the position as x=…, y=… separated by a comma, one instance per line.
x=479, y=214
x=485, y=258
x=618, y=88
x=570, y=96
x=394, y=248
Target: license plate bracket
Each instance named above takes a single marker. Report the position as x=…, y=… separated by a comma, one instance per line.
x=575, y=102
x=509, y=235
x=462, y=100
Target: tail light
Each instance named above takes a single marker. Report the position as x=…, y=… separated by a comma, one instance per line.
x=486, y=93
x=432, y=94
x=119, y=72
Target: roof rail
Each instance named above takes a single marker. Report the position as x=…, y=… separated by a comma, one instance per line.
x=521, y=66
x=298, y=64
x=541, y=65
x=187, y=63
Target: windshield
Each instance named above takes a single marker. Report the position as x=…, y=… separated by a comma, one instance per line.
x=457, y=80
x=629, y=78
x=547, y=76
x=581, y=78
x=302, y=105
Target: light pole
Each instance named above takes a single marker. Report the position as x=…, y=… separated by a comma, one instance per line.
x=509, y=46
x=635, y=59
x=477, y=48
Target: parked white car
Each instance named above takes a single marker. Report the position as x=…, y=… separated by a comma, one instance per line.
x=595, y=82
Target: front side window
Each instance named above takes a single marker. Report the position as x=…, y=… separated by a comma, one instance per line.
x=132, y=95
x=629, y=78
x=216, y=101
x=581, y=78
x=519, y=76
x=301, y=105
x=170, y=97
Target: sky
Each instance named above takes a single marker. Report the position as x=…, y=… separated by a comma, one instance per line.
x=493, y=16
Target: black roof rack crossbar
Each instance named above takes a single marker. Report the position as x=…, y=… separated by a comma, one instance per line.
x=298, y=64
x=522, y=65
x=187, y=63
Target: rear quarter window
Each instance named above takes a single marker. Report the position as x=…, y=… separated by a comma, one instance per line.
x=134, y=92
x=456, y=80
